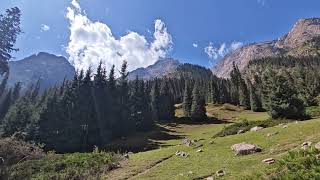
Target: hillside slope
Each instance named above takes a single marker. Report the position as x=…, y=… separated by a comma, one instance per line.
x=157, y=70
x=302, y=40
x=48, y=68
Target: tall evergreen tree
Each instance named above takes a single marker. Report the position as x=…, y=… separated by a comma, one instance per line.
x=9, y=30
x=155, y=101
x=198, y=110
x=187, y=101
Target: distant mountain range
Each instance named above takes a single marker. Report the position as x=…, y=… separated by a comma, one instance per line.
x=49, y=69
x=157, y=70
x=302, y=40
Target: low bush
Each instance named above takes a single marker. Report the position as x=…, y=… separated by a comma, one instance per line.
x=246, y=126
x=299, y=164
x=313, y=111
x=13, y=151
x=75, y=166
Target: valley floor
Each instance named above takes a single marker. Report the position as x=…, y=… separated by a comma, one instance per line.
x=161, y=163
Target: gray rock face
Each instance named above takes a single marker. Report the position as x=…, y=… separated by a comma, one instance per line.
x=49, y=69
x=304, y=30
x=157, y=70
x=245, y=148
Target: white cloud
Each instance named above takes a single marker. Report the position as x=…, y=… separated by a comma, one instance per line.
x=195, y=45
x=91, y=42
x=44, y=28
x=261, y=2
x=215, y=53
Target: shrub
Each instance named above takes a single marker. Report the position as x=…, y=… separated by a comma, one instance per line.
x=67, y=166
x=246, y=126
x=313, y=111
x=302, y=165
x=14, y=151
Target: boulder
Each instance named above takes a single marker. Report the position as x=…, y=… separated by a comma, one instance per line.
x=245, y=148
x=317, y=146
x=269, y=161
x=209, y=178
x=211, y=142
x=306, y=145
x=188, y=142
x=220, y=173
x=240, y=131
x=256, y=128
x=182, y=154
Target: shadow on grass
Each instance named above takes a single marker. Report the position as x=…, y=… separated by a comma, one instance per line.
x=144, y=141
x=190, y=121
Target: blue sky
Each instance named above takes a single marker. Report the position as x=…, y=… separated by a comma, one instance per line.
x=182, y=25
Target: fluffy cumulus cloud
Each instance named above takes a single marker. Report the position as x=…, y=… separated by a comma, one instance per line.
x=91, y=42
x=218, y=52
x=44, y=28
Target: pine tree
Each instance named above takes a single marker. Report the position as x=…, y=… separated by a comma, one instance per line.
x=198, y=110
x=155, y=101
x=284, y=102
x=9, y=30
x=187, y=101
x=166, y=108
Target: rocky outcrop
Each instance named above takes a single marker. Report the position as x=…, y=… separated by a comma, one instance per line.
x=295, y=43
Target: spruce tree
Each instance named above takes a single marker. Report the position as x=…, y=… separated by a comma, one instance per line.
x=9, y=30
x=284, y=102
x=198, y=110
x=155, y=100
x=166, y=108
x=187, y=101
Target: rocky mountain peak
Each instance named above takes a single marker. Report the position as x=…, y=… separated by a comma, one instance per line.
x=304, y=31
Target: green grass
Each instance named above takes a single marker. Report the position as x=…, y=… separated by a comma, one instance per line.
x=299, y=164
x=163, y=164
x=68, y=166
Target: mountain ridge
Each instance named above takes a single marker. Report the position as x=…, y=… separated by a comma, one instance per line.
x=304, y=33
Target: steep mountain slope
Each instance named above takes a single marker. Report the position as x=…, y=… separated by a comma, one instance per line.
x=47, y=68
x=302, y=40
x=157, y=70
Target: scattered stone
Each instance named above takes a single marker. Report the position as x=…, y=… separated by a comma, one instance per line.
x=188, y=142
x=297, y=122
x=211, y=142
x=1, y=160
x=220, y=173
x=318, y=156
x=199, y=150
x=256, y=128
x=284, y=126
x=240, y=131
x=126, y=156
x=317, y=146
x=209, y=178
x=182, y=154
x=245, y=148
x=306, y=145
x=269, y=161
x=272, y=134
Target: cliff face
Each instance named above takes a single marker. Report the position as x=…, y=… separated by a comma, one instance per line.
x=302, y=40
